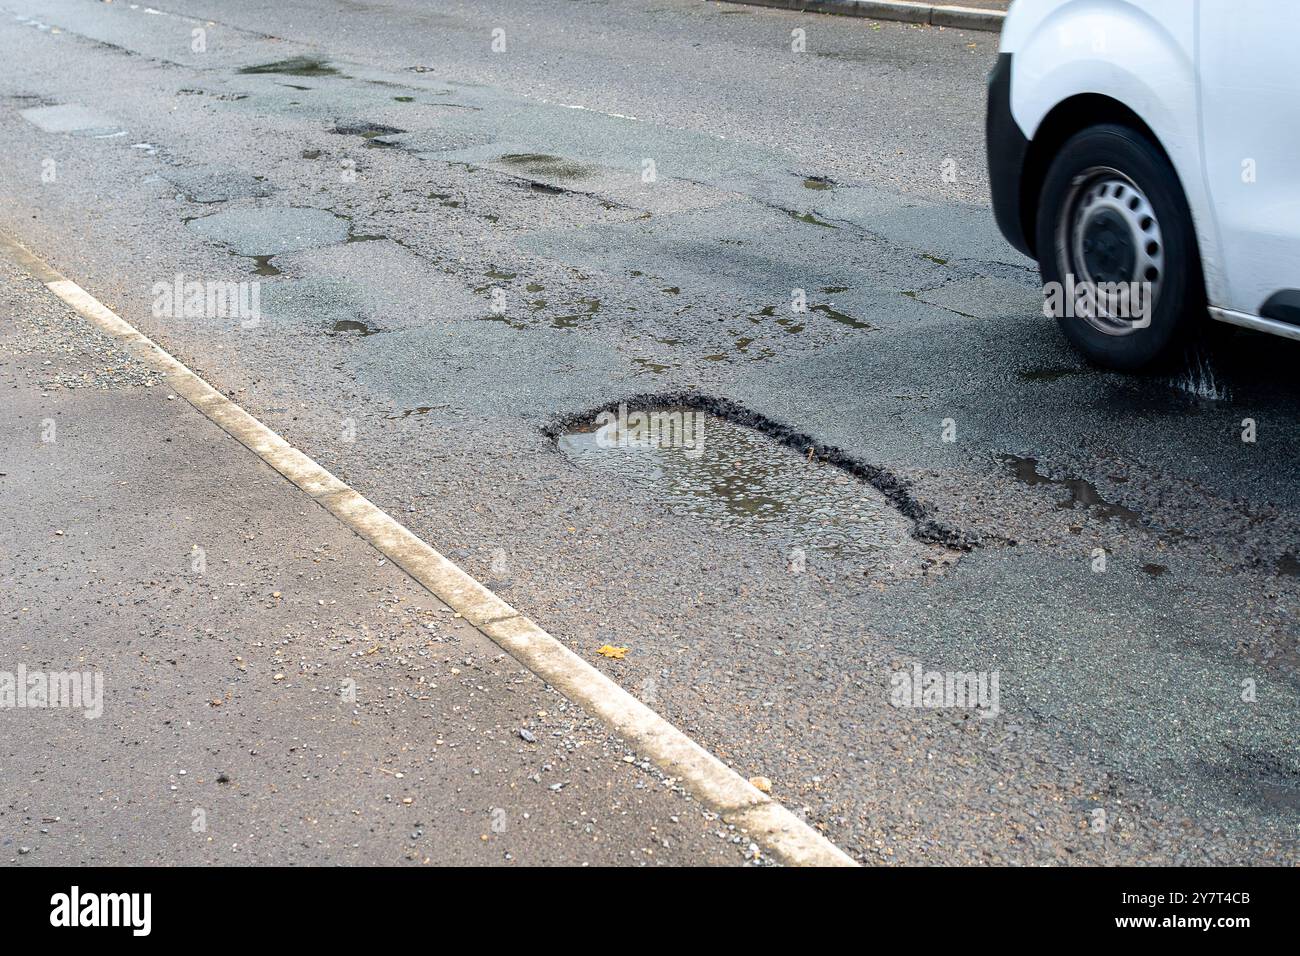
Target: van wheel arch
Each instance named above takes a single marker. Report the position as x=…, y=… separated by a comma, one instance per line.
x=1067, y=118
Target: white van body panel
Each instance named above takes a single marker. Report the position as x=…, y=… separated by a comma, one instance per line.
x=1141, y=53
x=1250, y=112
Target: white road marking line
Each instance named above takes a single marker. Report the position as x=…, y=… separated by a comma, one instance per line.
x=767, y=822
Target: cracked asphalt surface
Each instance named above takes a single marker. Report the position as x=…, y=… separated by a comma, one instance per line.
x=462, y=251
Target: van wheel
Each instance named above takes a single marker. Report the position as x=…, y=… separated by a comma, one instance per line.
x=1117, y=252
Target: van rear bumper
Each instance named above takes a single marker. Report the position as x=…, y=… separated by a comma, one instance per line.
x=1007, y=149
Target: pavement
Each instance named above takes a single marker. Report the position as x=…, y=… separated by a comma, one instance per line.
x=463, y=250
x=274, y=691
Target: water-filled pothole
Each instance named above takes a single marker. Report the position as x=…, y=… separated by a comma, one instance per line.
x=262, y=266
x=737, y=478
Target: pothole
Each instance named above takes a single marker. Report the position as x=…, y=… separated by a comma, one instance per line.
x=262, y=266
x=351, y=327
x=547, y=166
x=295, y=66
x=375, y=134
x=715, y=461
x=733, y=477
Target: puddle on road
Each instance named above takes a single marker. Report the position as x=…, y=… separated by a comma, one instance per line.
x=418, y=410
x=262, y=265
x=590, y=306
x=810, y=218
x=654, y=368
x=1082, y=492
x=794, y=325
x=737, y=478
x=840, y=317
x=505, y=320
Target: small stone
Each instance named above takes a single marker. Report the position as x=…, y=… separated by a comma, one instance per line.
x=527, y=735
x=761, y=784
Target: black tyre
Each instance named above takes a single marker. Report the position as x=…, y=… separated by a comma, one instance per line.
x=1113, y=220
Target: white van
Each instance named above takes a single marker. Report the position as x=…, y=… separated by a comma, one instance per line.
x=1152, y=145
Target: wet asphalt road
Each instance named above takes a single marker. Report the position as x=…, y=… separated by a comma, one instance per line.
x=279, y=694
x=487, y=216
